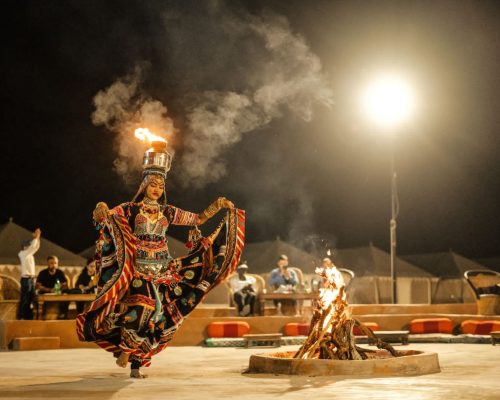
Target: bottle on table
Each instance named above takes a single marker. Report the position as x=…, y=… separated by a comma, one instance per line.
x=57, y=287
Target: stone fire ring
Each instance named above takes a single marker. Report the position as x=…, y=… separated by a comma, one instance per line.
x=412, y=363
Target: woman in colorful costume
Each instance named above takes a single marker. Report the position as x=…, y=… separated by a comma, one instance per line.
x=143, y=293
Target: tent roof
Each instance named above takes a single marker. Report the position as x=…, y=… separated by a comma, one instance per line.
x=11, y=237
x=263, y=256
x=372, y=261
x=176, y=247
x=490, y=262
x=446, y=264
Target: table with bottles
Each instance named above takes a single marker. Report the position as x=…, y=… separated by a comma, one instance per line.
x=69, y=297
x=298, y=296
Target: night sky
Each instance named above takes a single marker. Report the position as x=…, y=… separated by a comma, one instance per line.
x=317, y=183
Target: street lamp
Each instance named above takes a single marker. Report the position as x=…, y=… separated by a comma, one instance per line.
x=389, y=102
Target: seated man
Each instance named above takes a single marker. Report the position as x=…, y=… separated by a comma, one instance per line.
x=47, y=282
x=244, y=291
x=284, y=280
x=85, y=283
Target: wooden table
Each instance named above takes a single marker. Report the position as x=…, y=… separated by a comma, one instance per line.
x=286, y=296
x=50, y=297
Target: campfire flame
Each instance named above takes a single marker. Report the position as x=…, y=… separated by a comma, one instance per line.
x=331, y=331
x=332, y=298
x=146, y=135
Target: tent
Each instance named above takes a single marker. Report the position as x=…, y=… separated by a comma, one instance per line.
x=444, y=265
x=490, y=262
x=372, y=261
x=11, y=237
x=262, y=257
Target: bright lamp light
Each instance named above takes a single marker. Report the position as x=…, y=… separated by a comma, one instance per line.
x=389, y=101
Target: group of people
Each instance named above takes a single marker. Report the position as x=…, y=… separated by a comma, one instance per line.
x=282, y=279
x=49, y=280
x=244, y=289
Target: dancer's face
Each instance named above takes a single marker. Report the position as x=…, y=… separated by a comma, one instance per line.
x=155, y=188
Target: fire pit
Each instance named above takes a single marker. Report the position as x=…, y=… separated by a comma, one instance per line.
x=330, y=348
x=381, y=363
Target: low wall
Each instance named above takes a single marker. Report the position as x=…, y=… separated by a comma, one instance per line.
x=454, y=308
x=193, y=330
x=64, y=329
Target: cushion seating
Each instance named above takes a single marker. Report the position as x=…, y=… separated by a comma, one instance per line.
x=431, y=325
x=296, y=329
x=480, y=327
x=227, y=329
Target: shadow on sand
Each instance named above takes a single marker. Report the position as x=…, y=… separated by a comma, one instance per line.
x=102, y=387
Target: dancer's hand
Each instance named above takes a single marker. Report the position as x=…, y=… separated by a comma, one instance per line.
x=101, y=212
x=225, y=203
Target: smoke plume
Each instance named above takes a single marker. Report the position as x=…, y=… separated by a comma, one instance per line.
x=122, y=107
x=238, y=72
x=284, y=75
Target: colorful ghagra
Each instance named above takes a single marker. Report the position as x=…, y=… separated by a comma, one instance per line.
x=144, y=294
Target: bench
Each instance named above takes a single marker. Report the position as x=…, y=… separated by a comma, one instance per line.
x=262, y=339
x=391, y=337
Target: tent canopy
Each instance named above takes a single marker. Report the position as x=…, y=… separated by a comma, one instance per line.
x=11, y=237
x=372, y=261
x=445, y=265
x=262, y=257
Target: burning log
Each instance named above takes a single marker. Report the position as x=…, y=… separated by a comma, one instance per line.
x=331, y=331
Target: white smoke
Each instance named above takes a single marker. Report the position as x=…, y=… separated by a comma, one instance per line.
x=287, y=77
x=278, y=74
x=122, y=108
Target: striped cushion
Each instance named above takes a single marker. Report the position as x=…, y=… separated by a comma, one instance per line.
x=228, y=329
x=372, y=325
x=480, y=327
x=296, y=329
x=431, y=325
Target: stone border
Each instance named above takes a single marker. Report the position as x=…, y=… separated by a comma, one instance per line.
x=416, y=363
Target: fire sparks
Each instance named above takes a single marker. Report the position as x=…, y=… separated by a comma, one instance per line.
x=146, y=135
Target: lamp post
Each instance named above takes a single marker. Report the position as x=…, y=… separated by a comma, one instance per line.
x=389, y=102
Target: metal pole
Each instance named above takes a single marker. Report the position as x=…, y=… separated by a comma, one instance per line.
x=393, y=225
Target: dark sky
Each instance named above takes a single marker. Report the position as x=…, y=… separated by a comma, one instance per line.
x=308, y=182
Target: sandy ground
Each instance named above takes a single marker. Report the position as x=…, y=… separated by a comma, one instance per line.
x=469, y=371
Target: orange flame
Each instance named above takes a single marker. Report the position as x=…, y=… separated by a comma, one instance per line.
x=145, y=135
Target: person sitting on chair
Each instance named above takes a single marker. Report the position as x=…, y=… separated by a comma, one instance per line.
x=85, y=283
x=49, y=279
x=284, y=280
x=244, y=293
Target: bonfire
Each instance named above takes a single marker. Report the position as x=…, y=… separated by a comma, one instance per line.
x=331, y=331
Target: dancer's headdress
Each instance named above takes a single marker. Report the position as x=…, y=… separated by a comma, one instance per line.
x=156, y=161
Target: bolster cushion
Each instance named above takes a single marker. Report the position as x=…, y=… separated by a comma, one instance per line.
x=480, y=327
x=296, y=329
x=228, y=329
x=431, y=325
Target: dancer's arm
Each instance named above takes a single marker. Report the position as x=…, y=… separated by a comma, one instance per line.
x=213, y=209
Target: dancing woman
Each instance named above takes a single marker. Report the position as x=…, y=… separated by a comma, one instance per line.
x=143, y=293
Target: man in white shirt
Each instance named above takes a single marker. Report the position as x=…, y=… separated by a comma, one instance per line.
x=244, y=291
x=26, y=256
